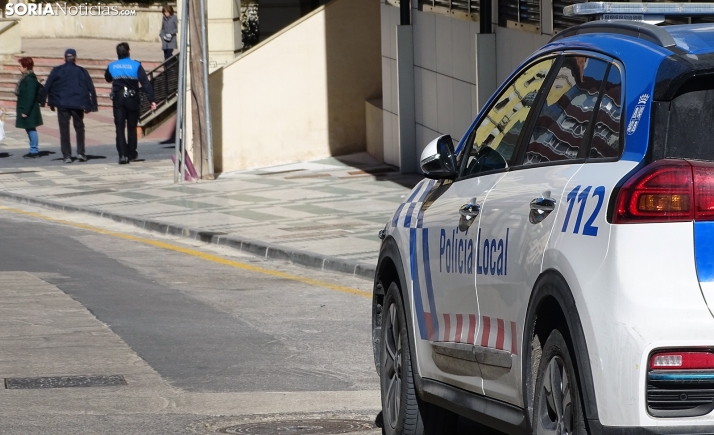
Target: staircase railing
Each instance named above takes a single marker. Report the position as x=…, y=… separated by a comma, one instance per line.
x=164, y=80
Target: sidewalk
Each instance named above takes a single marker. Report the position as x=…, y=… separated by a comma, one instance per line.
x=324, y=214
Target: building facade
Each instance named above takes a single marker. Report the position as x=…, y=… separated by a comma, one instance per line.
x=451, y=65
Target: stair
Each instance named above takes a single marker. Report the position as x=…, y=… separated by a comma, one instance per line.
x=10, y=74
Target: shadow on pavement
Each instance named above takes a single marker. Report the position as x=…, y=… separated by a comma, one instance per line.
x=90, y=157
x=5, y=155
x=46, y=153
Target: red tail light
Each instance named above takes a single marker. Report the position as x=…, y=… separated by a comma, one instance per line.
x=682, y=361
x=667, y=191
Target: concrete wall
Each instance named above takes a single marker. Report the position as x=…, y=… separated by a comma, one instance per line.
x=446, y=73
x=300, y=94
x=145, y=26
x=10, y=40
x=375, y=126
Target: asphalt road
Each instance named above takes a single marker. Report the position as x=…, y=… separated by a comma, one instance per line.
x=209, y=340
x=207, y=337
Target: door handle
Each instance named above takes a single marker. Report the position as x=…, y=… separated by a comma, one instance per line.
x=545, y=205
x=469, y=210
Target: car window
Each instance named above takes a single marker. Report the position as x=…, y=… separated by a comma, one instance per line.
x=491, y=144
x=606, y=131
x=560, y=127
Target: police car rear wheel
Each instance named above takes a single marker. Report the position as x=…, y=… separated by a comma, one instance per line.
x=403, y=412
x=558, y=409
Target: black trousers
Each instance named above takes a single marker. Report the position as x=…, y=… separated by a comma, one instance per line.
x=77, y=116
x=126, y=118
x=168, y=52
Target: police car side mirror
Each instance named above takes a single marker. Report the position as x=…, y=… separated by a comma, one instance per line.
x=438, y=160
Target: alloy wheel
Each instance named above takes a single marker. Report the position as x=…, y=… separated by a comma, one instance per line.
x=393, y=366
x=555, y=413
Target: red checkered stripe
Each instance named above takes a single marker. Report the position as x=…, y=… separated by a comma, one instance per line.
x=464, y=328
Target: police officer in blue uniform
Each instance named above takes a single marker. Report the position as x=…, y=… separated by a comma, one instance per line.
x=125, y=75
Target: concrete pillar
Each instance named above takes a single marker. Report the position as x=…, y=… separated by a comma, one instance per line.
x=486, y=81
x=408, y=158
x=224, y=32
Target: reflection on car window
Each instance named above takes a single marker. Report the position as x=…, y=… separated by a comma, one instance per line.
x=606, y=131
x=494, y=140
x=560, y=127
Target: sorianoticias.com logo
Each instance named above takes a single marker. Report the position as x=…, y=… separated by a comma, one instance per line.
x=63, y=8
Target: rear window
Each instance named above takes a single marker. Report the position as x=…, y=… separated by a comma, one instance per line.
x=690, y=134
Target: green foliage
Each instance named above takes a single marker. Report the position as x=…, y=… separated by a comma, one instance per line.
x=250, y=23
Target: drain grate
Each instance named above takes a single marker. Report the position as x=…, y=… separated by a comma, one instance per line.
x=64, y=382
x=299, y=427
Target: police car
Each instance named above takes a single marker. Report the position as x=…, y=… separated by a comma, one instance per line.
x=554, y=273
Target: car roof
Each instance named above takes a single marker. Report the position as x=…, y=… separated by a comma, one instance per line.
x=693, y=38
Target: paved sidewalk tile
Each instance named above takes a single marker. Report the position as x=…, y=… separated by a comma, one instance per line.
x=333, y=207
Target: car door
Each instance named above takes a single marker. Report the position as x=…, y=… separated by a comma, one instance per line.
x=519, y=214
x=444, y=236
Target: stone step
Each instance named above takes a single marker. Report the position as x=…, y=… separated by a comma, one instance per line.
x=148, y=65
x=10, y=82
x=8, y=97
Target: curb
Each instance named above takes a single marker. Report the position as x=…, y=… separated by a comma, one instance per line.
x=271, y=251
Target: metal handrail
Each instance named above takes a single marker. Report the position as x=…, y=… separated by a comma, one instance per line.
x=12, y=22
x=164, y=80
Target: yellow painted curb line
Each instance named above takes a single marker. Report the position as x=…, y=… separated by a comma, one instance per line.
x=194, y=253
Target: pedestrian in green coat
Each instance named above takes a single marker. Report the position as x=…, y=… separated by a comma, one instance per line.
x=29, y=116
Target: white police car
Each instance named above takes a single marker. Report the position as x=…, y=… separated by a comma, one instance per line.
x=555, y=273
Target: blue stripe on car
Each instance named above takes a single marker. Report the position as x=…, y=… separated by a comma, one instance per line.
x=704, y=250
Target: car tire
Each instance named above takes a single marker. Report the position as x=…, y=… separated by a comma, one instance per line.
x=402, y=410
x=558, y=407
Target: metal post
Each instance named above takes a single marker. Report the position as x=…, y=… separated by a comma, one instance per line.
x=207, y=101
x=181, y=97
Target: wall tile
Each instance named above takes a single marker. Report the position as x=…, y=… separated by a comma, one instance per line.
x=394, y=19
x=387, y=84
x=418, y=95
x=462, y=108
x=474, y=102
x=395, y=85
x=395, y=140
x=384, y=21
x=445, y=104
x=387, y=135
x=429, y=99
x=462, y=50
x=424, y=136
x=424, y=39
x=444, y=53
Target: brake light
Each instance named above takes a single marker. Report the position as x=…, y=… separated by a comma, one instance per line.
x=703, y=191
x=667, y=191
x=682, y=361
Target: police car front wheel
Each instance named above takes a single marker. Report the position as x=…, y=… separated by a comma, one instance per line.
x=558, y=409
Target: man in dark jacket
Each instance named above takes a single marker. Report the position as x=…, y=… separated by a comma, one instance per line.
x=71, y=91
x=125, y=75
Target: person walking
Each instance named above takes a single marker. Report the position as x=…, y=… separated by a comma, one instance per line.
x=125, y=75
x=169, y=29
x=28, y=109
x=71, y=92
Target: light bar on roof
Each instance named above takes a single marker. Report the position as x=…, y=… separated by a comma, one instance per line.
x=648, y=12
